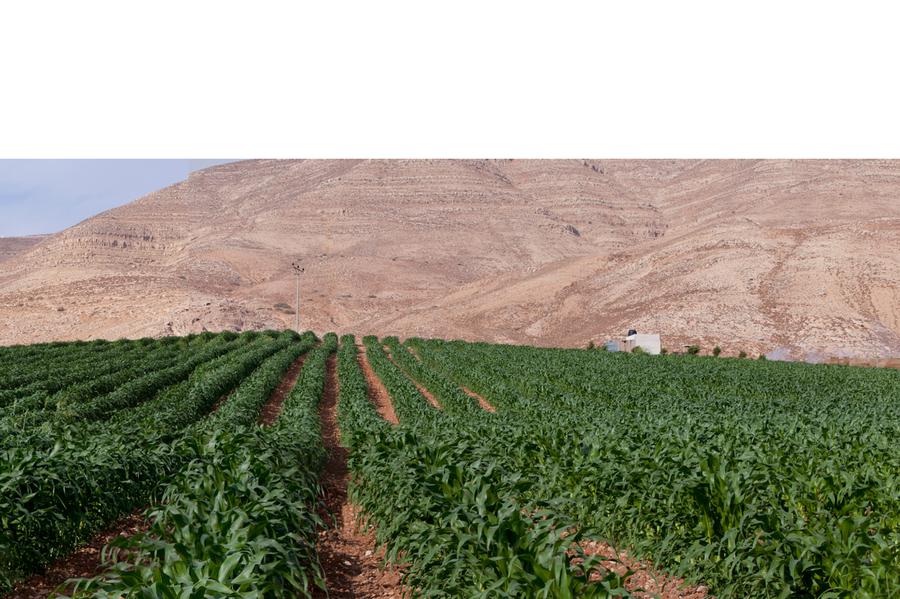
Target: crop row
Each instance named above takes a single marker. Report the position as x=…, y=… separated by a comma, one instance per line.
x=42, y=425
x=758, y=479
x=444, y=508
x=55, y=496
x=17, y=373
x=240, y=518
x=83, y=381
x=452, y=399
x=48, y=377
x=44, y=409
x=20, y=354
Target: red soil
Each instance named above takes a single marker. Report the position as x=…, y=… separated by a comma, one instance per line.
x=481, y=401
x=378, y=393
x=645, y=582
x=485, y=404
x=425, y=392
x=272, y=409
x=348, y=555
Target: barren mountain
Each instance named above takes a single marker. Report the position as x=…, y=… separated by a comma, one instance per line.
x=757, y=255
x=12, y=246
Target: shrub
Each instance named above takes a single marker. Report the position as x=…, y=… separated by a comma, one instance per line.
x=284, y=308
x=743, y=354
x=762, y=357
x=693, y=349
x=590, y=345
x=663, y=351
x=717, y=350
x=638, y=350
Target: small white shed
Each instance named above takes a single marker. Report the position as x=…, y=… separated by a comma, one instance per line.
x=649, y=342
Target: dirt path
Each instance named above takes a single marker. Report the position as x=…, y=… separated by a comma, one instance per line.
x=485, y=405
x=348, y=557
x=378, y=393
x=652, y=584
x=272, y=409
x=85, y=562
x=425, y=392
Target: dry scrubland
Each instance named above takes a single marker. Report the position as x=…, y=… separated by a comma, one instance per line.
x=752, y=255
x=241, y=464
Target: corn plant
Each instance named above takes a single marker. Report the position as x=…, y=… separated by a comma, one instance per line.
x=455, y=519
x=64, y=482
x=240, y=518
x=756, y=478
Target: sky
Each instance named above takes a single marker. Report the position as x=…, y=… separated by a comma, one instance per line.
x=46, y=196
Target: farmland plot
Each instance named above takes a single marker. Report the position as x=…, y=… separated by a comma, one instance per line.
x=760, y=479
x=479, y=470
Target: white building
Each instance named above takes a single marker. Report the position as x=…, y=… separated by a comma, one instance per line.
x=650, y=343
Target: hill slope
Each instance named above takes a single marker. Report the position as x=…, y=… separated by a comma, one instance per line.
x=13, y=246
x=752, y=255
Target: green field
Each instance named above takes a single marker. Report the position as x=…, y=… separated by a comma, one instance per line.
x=755, y=479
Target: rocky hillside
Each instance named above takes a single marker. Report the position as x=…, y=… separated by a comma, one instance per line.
x=798, y=257
x=13, y=246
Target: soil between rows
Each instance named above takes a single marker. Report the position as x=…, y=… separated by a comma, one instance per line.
x=348, y=556
x=378, y=393
x=485, y=405
x=272, y=409
x=644, y=582
x=422, y=390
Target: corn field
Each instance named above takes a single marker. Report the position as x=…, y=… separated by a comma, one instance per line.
x=752, y=479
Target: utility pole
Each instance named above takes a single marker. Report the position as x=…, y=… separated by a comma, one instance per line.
x=298, y=270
